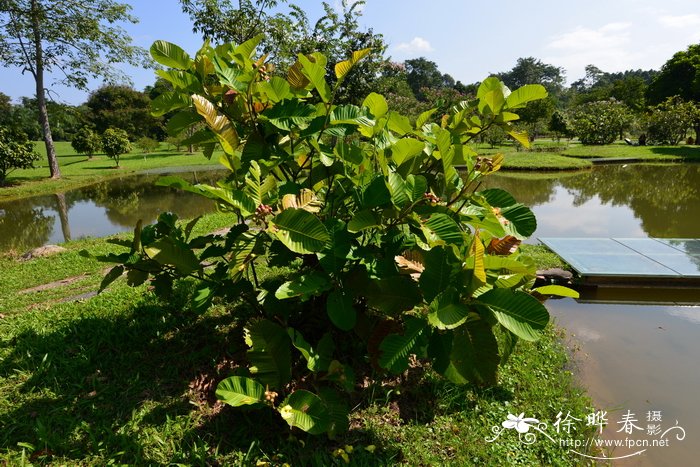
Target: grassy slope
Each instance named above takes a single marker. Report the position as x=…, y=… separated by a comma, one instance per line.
x=78, y=170
x=122, y=377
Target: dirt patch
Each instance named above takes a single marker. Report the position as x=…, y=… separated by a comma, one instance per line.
x=54, y=284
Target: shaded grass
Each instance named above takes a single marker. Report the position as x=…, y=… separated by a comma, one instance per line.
x=78, y=170
x=126, y=378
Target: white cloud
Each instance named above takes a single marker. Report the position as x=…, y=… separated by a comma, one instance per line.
x=609, y=47
x=416, y=46
x=682, y=21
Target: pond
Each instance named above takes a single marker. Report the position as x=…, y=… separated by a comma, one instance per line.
x=638, y=348
x=96, y=210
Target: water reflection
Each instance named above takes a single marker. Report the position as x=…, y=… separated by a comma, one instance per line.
x=96, y=210
x=612, y=200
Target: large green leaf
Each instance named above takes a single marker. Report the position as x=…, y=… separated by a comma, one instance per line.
x=277, y=89
x=406, y=148
x=492, y=93
x=441, y=269
x=270, y=353
x=317, y=359
x=398, y=190
x=170, y=55
x=392, y=294
x=416, y=187
x=528, y=93
x=305, y=410
x=349, y=114
x=447, y=311
x=169, y=101
x=467, y=354
x=238, y=391
x=306, y=286
x=520, y=313
x=314, y=68
x=171, y=253
x=181, y=120
x=291, y=113
x=362, y=220
x=446, y=229
x=341, y=310
x=301, y=231
x=376, y=103
x=395, y=348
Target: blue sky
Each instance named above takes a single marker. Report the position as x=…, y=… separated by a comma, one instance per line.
x=466, y=39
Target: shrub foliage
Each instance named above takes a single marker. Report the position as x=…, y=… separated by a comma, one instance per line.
x=16, y=152
x=395, y=251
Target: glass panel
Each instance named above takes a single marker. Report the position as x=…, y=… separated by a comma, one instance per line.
x=687, y=265
x=647, y=246
x=616, y=265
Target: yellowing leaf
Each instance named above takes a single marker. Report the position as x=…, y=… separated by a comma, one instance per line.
x=521, y=137
x=477, y=251
x=218, y=122
x=305, y=200
x=344, y=67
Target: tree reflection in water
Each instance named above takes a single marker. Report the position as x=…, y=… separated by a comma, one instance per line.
x=101, y=209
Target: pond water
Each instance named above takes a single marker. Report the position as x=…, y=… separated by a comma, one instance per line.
x=96, y=210
x=638, y=350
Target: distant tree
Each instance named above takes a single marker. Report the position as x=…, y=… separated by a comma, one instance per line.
x=422, y=73
x=71, y=36
x=600, y=122
x=146, y=145
x=16, y=152
x=533, y=71
x=115, y=142
x=116, y=106
x=679, y=76
x=559, y=125
x=668, y=122
x=628, y=87
x=87, y=142
x=535, y=116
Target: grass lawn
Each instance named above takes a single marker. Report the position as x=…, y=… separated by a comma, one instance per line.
x=124, y=378
x=621, y=149
x=78, y=170
x=572, y=155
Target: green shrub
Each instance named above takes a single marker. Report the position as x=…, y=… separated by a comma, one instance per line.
x=147, y=145
x=85, y=141
x=669, y=122
x=16, y=152
x=600, y=122
x=393, y=252
x=115, y=142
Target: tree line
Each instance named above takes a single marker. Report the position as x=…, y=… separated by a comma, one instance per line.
x=656, y=106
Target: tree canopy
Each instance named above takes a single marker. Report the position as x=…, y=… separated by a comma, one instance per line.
x=80, y=39
x=679, y=76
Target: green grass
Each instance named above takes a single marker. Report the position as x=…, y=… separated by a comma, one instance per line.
x=124, y=378
x=621, y=149
x=543, y=257
x=567, y=155
x=77, y=170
